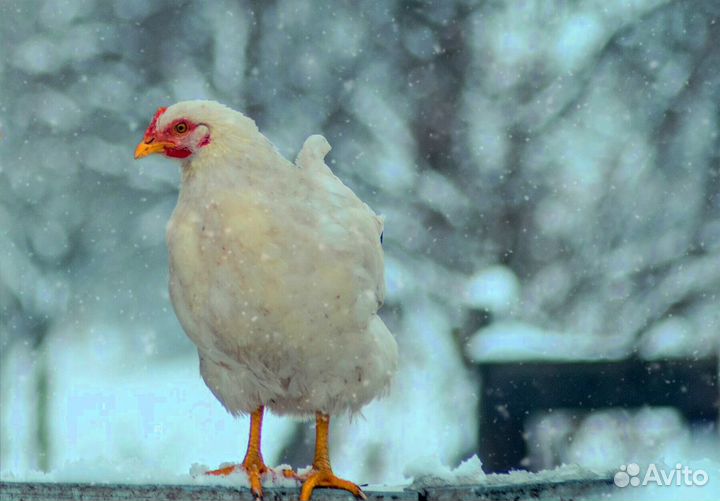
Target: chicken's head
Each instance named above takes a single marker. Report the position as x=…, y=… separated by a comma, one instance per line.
x=173, y=135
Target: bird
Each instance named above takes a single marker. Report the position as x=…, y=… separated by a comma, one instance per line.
x=276, y=274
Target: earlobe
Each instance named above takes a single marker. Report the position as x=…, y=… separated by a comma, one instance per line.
x=205, y=131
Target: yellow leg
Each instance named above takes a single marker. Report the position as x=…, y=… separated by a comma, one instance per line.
x=253, y=463
x=322, y=475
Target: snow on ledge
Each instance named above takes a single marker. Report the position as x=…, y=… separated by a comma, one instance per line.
x=427, y=471
x=428, y=479
x=139, y=472
x=430, y=472
x=510, y=341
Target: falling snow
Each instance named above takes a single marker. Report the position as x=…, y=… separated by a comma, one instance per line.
x=549, y=181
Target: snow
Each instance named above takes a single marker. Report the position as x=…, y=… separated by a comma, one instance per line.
x=438, y=192
x=579, y=37
x=421, y=42
x=58, y=14
x=132, y=10
x=142, y=471
x=37, y=56
x=230, y=36
x=117, y=418
x=419, y=473
x=675, y=337
x=82, y=43
x=510, y=341
x=495, y=288
x=430, y=471
x=50, y=241
x=394, y=170
x=58, y=111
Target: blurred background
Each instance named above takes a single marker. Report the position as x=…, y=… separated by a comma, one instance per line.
x=550, y=177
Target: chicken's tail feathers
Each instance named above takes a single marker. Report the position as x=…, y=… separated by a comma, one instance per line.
x=312, y=154
x=380, y=222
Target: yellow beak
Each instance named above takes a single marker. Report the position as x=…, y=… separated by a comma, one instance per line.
x=148, y=148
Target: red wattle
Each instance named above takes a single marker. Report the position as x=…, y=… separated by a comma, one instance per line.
x=178, y=152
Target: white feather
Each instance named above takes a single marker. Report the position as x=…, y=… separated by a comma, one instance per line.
x=276, y=273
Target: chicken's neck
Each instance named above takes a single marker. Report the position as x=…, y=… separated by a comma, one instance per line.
x=231, y=165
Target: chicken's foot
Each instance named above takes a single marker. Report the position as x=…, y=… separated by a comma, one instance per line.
x=321, y=475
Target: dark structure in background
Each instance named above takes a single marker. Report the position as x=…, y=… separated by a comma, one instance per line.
x=512, y=392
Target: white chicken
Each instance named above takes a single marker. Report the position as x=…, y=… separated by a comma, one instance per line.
x=276, y=274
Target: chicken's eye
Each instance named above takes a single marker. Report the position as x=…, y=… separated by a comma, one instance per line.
x=181, y=128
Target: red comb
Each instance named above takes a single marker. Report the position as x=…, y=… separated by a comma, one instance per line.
x=152, y=129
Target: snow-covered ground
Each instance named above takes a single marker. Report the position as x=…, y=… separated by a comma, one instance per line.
x=108, y=410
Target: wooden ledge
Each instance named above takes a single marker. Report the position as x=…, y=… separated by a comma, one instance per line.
x=567, y=490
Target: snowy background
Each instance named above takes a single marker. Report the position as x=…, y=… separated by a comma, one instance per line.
x=549, y=171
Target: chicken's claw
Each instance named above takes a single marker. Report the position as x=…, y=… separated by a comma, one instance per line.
x=224, y=471
x=289, y=473
x=254, y=470
x=326, y=478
